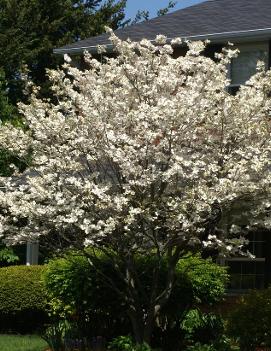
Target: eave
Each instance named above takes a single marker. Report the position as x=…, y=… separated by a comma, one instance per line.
x=260, y=34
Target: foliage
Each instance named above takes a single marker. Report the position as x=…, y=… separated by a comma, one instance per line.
x=223, y=345
x=200, y=347
x=250, y=322
x=9, y=162
x=208, y=278
x=164, y=11
x=67, y=281
x=202, y=327
x=8, y=113
x=121, y=343
x=200, y=282
x=54, y=335
x=205, y=331
x=143, y=155
x=78, y=291
x=125, y=343
x=22, y=288
x=22, y=297
x=144, y=15
x=21, y=343
x=7, y=256
x=30, y=30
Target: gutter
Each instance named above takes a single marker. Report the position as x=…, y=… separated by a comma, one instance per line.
x=245, y=35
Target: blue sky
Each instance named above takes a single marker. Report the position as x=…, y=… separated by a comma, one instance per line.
x=153, y=5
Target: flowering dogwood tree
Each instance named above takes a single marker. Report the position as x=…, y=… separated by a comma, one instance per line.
x=142, y=154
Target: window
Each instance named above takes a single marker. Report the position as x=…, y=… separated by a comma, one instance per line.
x=244, y=66
x=256, y=244
x=246, y=273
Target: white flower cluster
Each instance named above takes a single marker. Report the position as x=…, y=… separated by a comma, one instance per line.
x=138, y=149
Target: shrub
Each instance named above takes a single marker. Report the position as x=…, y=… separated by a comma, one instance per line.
x=199, y=282
x=207, y=278
x=223, y=345
x=205, y=332
x=54, y=335
x=202, y=327
x=125, y=343
x=77, y=292
x=200, y=347
x=250, y=322
x=22, y=298
x=7, y=256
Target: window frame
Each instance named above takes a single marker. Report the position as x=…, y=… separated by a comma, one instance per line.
x=226, y=262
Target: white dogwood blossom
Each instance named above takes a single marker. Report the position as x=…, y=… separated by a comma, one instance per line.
x=141, y=147
x=143, y=153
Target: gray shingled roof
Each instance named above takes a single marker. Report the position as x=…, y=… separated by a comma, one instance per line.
x=210, y=19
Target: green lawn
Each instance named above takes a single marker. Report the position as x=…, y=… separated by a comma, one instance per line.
x=22, y=343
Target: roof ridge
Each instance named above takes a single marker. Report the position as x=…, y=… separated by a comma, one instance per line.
x=164, y=16
x=215, y=19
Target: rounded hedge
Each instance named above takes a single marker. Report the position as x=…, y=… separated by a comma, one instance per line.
x=22, y=298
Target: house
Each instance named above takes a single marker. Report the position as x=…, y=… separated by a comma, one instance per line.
x=245, y=23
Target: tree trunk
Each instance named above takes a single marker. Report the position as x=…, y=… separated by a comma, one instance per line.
x=143, y=320
x=138, y=328
x=149, y=325
x=143, y=324
x=142, y=331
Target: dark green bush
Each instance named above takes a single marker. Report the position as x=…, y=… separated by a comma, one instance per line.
x=125, y=343
x=199, y=282
x=202, y=327
x=205, y=332
x=208, y=279
x=7, y=256
x=78, y=293
x=55, y=334
x=250, y=322
x=222, y=346
x=22, y=298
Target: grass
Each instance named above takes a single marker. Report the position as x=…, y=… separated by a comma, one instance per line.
x=22, y=343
